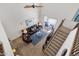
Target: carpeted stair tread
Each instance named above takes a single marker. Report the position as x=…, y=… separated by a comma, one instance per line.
x=58, y=38
x=76, y=46
x=75, y=53
x=57, y=41
x=51, y=52
x=64, y=29
x=52, y=42
x=46, y=52
x=61, y=33
x=62, y=37
x=54, y=46
x=75, y=50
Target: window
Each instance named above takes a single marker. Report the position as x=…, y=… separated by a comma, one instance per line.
x=76, y=16
x=49, y=23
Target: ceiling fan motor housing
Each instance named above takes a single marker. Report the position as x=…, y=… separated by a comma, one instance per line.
x=33, y=6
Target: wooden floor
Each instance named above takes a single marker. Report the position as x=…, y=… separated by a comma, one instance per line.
x=24, y=49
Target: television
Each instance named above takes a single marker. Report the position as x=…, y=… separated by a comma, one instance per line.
x=30, y=22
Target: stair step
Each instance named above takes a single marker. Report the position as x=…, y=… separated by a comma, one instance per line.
x=62, y=33
x=65, y=32
x=52, y=42
x=76, y=43
x=62, y=37
x=58, y=38
x=46, y=53
x=75, y=46
x=55, y=47
x=58, y=42
x=64, y=29
x=75, y=53
x=74, y=50
x=51, y=52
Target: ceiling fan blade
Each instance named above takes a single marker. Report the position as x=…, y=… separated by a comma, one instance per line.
x=38, y=6
x=28, y=7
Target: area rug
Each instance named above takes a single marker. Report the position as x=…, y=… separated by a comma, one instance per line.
x=38, y=36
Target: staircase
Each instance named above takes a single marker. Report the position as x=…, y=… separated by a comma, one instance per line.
x=56, y=41
x=75, y=48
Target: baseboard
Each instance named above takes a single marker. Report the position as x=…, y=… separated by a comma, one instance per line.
x=11, y=39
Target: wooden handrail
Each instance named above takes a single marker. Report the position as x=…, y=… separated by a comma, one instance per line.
x=77, y=25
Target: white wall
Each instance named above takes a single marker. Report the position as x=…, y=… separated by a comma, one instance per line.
x=4, y=40
x=13, y=16
x=59, y=11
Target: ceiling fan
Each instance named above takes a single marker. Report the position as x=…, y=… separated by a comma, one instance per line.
x=32, y=6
